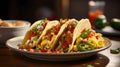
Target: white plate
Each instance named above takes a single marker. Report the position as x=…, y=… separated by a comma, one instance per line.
x=13, y=42
x=108, y=30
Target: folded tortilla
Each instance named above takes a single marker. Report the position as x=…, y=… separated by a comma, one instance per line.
x=82, y=24
x=35, y=27
x=49, y=26
x=63, y=30
x=63, y=33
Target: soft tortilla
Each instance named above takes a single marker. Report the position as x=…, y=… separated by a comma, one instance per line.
x=48, y=26
x=82, y=24
x=63, y=27
x=28, y=32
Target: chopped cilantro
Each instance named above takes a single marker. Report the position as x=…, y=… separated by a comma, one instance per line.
x=76, y=22
x=43, y=20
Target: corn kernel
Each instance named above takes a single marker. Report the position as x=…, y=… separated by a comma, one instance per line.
x=68, y=32
x=34, y=43
x=78, y=40
x=75, y=48
x=44, y=42
x=44, y=37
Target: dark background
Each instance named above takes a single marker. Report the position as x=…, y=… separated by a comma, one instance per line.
x=32, y=10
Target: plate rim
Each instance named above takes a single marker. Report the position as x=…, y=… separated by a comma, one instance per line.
x=56, y=54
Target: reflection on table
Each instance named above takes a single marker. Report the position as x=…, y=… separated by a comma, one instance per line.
x=16, y=59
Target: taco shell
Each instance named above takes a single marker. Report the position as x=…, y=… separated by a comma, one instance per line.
x=82, y=24
x=28, y=32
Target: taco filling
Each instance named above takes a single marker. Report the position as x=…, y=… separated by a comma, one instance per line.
x=47, y=40
x=65, y=39
x=33, y=34
x=88, y=40
x=64, y=36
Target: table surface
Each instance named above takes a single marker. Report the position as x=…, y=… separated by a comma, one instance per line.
x=102, y=59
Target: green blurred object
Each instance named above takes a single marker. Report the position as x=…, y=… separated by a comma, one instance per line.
x=115, y=51
x=115, y=23
x=100, y=22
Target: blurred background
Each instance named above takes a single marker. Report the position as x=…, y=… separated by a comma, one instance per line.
x=32, y=10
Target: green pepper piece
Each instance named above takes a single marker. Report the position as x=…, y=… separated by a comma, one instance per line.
x=85, y=47
x=114, y=51
x=84, y=34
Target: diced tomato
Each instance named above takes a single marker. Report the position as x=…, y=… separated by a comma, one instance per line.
x=29, y=38
x=30, y=35
x=43, y=50
x=20, y=47
x=49, y=36
x=48, y=32
x=31, y=50
x=56, y=29
x=28, y=47
x=69, y=40
x=61, y=22
x=44, y=24
x=64, y=45
x=34, y=33
x=84, y=30
x=71, y=28
x=91, y=34
x=48, y=51
x=56, y=32
x=96, y=37
x=57, y=51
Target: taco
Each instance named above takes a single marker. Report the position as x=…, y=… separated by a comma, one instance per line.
x=34, y=33
x=66, y=36
x=85, y=38
x=82, y=24
x=49, y=36
x=62, y=36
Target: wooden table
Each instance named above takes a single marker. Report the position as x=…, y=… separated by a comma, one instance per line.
x=9, y=58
